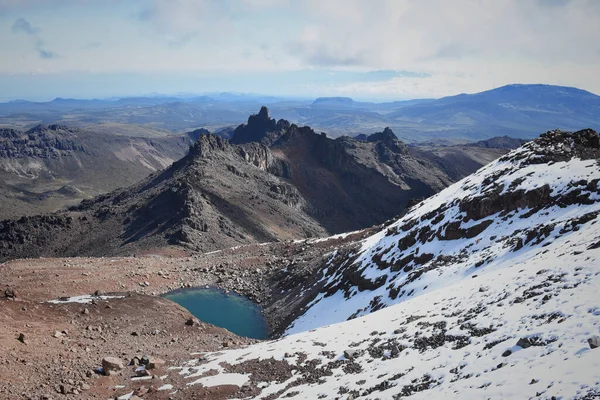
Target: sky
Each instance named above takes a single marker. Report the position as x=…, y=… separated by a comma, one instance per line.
x=365, y=49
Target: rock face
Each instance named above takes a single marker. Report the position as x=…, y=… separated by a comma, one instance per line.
x=35, y=164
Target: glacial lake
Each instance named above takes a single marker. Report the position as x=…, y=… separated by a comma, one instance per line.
x=226, y=310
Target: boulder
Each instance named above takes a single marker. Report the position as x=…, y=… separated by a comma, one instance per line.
x=524, y=343
x=111, y=365
x=154, y=362
x=350, y=353
x=594, y=342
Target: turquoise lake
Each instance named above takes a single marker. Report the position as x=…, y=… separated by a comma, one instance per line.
x=226, y=310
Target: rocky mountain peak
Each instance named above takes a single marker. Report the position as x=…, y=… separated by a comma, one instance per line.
x=386, y=135
x=260, y=128
x=264, y=113
x=208, y=143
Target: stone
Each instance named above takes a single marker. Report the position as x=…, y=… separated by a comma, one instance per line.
x=145, y=360
x=10, y=293
x=21, y=338
x=111, y=365
x=85, y=386
x=57, y=334
x=350, y=354
x=142, y=390
x=524, y=343
x=594, y=342
x=154, y=362
x=85, y=311
x=142, y=371
x=506, y=353
x=190, y=322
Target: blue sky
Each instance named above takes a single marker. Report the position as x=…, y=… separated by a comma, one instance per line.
x=366, y=49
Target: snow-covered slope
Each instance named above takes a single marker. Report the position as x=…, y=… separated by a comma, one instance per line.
x=501, y=215
x=489, y=289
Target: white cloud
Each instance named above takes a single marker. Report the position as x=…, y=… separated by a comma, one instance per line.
x=466, y=45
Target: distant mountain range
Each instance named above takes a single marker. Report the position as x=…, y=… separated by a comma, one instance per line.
x=515, y=110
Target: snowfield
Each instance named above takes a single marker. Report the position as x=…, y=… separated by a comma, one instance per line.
x=487, y=290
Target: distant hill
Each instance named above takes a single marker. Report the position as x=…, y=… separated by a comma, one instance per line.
x=513, y=110
x=520, y=111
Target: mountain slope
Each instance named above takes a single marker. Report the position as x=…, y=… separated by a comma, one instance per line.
x=486, y=290
x=219, y=195
x=353, y=183
x=272, y=181
x=531, y=196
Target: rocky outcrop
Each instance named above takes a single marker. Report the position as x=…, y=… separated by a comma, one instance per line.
x=51, y=141
x=261, y=128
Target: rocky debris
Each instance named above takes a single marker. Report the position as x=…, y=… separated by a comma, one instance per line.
x=594, y=342
x=112, y=366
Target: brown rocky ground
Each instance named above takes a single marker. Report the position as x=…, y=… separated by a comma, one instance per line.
x=65, y=343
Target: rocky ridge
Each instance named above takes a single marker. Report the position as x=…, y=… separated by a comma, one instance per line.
x=272, y=181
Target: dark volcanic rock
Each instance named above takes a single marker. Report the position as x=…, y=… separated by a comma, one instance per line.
x=261, y=128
